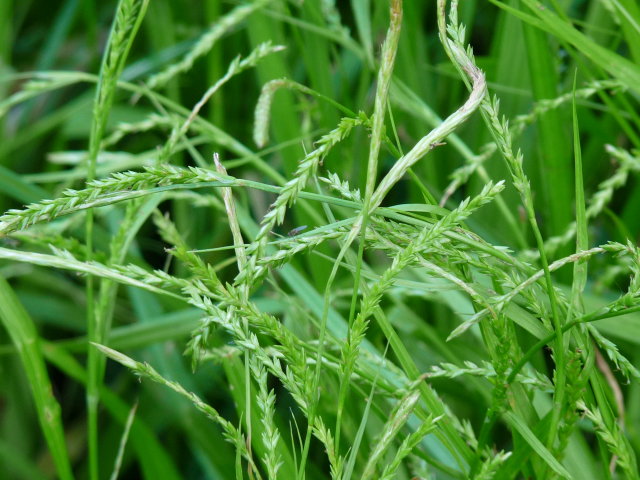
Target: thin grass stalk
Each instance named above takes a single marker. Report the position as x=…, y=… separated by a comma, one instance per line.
x=123, y=442
x=387, y=60
x=129, y=15
x=501, y=133
x=438, y=134
x=241, y=259
x=323, y=328
x=349, y=465
x=577, y=373
x=130, y=224
x=559, y=352
x=144, y=370
x=576, y=303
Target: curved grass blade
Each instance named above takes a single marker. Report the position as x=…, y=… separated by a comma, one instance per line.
x=25, y=337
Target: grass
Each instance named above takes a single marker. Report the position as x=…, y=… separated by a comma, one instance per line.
x=280, y=239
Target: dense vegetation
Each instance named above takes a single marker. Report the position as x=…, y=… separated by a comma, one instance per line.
x=320, y=239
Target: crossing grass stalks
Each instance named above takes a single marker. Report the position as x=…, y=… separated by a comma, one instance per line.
x=418, y=320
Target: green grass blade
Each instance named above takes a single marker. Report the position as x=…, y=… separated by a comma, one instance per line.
x=123, y=442
x=613, y=63
x=555, y=173
x=154, y=459
x=25, y=337
x=582, y=237
x=529, y=437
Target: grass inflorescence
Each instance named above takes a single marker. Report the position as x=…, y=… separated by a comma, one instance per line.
x=280, y=239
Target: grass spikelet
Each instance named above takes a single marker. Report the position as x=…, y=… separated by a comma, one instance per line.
x=397, y=419
x=307, y=169
x=271, y=435
x=613, y=438
x=146, y=371
x=205, y=43
x=237, y=66
x=407, y=445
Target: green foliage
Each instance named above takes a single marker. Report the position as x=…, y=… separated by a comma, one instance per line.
x=419, y=318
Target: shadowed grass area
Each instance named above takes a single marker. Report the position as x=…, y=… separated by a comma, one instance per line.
x=306, y=240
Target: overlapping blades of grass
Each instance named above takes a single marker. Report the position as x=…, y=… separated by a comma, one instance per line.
x=291, y=364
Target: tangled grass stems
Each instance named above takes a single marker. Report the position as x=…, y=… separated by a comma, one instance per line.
x=266, y=400
x=405, y=257
x=387, y=61
x=502, y=136
x=299, y=345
